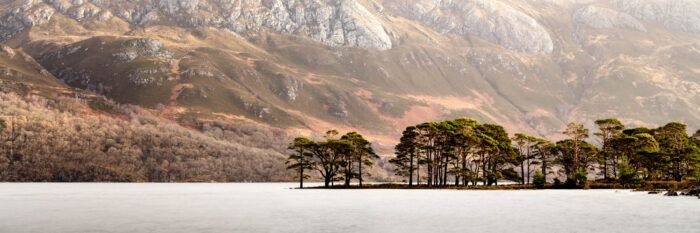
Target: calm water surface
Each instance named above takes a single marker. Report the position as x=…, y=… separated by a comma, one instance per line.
x=273, y=207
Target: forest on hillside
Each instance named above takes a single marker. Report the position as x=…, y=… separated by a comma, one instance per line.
x=66, y=140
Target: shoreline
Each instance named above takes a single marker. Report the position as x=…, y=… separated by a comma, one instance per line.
x=648, y=187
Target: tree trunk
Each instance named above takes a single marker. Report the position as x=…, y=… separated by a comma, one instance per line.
x=429, y=169
x=605, y=165
x=430, y=175
x=522, y=172
x=614, y=166
x=418, y=173
x=410, y=172
x=492, y=179
x=301, y=177
x=464, y=166
x=528, y=171
x=348, y=174
x=527, y=160
x=544, y=170
x=677, y=171
x=360, y=174
x=444, y=173
x=430, y=172
x=483, y=159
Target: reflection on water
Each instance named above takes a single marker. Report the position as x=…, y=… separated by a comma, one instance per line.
x=274, y=207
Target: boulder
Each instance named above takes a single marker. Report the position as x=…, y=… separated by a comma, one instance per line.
x=693, y=192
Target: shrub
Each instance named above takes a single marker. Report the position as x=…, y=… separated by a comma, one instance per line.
x=570, y=183
x=539, y=179
x=627, y=175
x=581, y=176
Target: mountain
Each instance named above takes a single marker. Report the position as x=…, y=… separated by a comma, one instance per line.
x=374, y=66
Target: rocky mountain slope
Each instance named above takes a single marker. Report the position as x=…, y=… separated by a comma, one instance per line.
x=371, y=65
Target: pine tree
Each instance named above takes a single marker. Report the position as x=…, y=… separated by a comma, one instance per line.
x=328, y=156
x=361, y=152
x=406, y=153
x=609, y=128
x=577, y=133
x=301, y=160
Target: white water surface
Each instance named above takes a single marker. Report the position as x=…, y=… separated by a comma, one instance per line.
x=274, y=207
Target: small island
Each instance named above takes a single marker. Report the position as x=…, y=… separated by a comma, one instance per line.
x=466, y=154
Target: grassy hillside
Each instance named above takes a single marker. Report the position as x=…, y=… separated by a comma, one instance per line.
x=184, y=67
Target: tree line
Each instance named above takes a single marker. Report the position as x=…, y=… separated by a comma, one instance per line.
x=466, y=152
x=335, y=158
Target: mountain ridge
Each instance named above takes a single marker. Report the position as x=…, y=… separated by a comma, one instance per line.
x=374, y=66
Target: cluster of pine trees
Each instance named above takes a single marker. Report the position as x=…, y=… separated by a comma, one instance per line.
x=463, y=152
x=336, y=159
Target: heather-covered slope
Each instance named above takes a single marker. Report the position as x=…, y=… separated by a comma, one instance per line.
x=374, y=65
x=20, y=73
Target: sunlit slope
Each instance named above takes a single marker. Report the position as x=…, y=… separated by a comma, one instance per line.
x=376, y=66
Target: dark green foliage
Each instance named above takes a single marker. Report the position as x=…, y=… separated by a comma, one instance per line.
x=511, y=175
x=570, y=183
x=557, y=181
x=301, y=160
x=627, y=175
x=460, y=150
x=360, y=154
x=682, y=151
x=574, y=156
x=406, y=151
x=477, y=152
x=526, y=146
x=330, y=156
x=544, y=151
x=637, y=131
x=609, y=128
x=581, y=176
x=336, y=159
x=539, y=179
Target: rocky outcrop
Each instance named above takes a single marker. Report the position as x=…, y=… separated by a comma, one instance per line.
x=126, y=56
x=84, y=11
x=605, y=18
x=493, y=21
x=334, y=23
x=30, y=13
x=148, y=47
x=680, y=15
x=671, y=193
x=7, y=51
x=692, y=192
